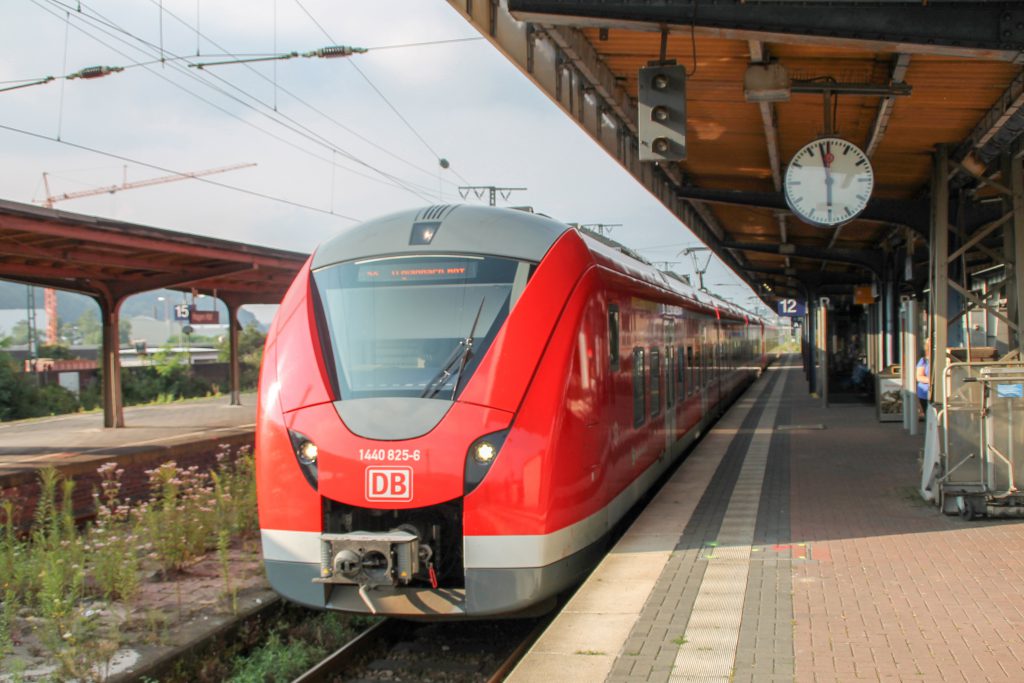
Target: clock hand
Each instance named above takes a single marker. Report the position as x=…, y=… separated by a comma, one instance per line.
x=827, y=158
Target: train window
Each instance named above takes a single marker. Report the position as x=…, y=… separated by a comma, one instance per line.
x=639, y=387
x=680, y=371
x=613, y=335
x=693, y=370
x=655, y=382
x=670, y=394
x=413, y=316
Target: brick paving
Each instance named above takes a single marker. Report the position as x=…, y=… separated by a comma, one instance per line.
x=851, y=575
x=897, y=592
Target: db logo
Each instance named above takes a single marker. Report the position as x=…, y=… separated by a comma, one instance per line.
x=389, y=483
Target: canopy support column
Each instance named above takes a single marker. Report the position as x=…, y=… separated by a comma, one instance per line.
x=939, y=275
x=235, y=368
x=113, y=405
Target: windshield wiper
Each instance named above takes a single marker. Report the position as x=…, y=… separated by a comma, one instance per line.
x=460, y=355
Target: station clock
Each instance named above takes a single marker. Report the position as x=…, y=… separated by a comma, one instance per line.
x=828, y=182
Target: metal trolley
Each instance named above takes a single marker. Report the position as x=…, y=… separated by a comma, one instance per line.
x=982, y=427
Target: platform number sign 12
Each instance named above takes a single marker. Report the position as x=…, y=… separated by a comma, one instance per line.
x=792, y=308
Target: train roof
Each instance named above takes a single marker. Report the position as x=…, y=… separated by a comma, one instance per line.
x=445, y=229
x=639, y=267
x=511, y=233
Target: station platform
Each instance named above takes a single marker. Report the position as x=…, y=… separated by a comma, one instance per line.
x=792, y=545
x=187, y=432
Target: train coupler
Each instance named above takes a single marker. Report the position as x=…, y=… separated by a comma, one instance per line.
x=369, y=559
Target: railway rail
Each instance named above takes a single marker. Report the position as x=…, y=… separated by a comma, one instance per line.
x=451, y=652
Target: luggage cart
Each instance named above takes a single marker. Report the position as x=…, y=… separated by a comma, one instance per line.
x=983, y=440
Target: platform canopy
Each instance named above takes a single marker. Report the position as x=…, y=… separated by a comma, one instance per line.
x=112, y=260
x=903, y=77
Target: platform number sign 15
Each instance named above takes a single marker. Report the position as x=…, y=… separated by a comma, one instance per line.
x=792, y=308
x=182, y=312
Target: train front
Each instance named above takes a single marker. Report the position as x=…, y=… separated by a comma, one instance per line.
x=388, y=389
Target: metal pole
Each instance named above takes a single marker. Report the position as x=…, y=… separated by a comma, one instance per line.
x=1013, y=246
x=823, y=350
x=812, y=342
x=909, y=325
x=939, y=275
x=235, y=368
x=113, y=408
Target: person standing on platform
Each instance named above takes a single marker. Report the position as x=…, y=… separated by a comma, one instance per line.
x=922, y=373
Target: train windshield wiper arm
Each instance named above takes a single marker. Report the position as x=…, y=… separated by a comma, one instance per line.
x=460, y=355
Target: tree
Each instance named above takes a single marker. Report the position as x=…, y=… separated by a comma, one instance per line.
x=250, y=353
x=91, y=331
x=19, y=333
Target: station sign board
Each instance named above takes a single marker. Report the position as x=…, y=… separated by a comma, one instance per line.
x=182, y=312
x=204, y=317
x=792, y=308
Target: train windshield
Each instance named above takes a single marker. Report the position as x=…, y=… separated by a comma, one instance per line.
x=414, y=326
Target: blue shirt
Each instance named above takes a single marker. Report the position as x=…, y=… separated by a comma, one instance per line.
x=922, y=387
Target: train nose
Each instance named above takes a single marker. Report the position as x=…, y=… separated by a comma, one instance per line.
x=391, y=418
x=393, y=453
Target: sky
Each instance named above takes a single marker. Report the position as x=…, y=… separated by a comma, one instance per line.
x=335, y=141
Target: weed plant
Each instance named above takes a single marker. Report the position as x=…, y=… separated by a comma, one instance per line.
x=66, y=575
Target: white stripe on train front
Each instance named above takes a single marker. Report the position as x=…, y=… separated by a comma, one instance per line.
x=291, y=546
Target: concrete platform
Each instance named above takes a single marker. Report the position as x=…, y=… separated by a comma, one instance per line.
x=792, y=545
x=188, y=432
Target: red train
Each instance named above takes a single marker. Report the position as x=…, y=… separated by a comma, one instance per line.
x=457, y=404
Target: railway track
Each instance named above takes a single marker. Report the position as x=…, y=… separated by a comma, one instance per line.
x=456, y=652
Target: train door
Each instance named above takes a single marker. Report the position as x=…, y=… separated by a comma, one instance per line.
x=669, y=383
x=719, y=342
x=702, y=363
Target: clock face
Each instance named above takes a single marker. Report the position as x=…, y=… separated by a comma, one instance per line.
x=829, y=181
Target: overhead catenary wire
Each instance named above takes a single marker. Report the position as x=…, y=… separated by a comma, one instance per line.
x=121, y=157
x=322, y=141
x=107, y=22
x=104, y=24
x=302, y=101
x=415, y=188
x=408, y=125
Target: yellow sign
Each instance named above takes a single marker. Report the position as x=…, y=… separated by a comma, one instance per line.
x=862, y=295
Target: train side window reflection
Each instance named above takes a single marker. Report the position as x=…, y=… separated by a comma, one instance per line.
x=655, y=382
x=670, y=385
x=639, y=387
x=693, y=370
x=613, y=335
x=680, y=371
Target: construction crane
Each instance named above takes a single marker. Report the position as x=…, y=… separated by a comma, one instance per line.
x=52, y=198
x=49, y=295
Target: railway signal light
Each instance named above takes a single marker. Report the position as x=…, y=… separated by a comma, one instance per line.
x=662, y=113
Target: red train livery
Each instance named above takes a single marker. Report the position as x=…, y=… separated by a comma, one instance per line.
x=457, y=404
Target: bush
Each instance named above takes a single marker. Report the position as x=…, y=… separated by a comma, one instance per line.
x=21, y=397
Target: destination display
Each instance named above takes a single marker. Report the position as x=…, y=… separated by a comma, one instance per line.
x=405, y=271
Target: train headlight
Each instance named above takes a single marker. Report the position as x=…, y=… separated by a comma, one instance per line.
x=307, y=452
x=484, y=452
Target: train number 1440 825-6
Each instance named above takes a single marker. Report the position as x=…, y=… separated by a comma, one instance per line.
x=390, y=454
